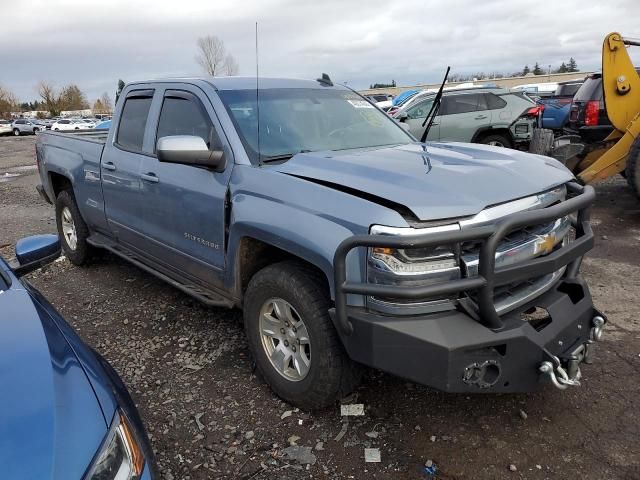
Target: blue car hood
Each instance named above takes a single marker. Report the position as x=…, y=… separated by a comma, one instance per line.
x=434, y=181
x=51, y=424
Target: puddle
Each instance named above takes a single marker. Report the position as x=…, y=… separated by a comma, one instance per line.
x=7, y=177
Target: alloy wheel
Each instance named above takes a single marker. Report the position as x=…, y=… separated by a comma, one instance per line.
x=285, y=339
x=69, y=229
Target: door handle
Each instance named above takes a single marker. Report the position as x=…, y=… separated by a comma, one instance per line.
x=480, y=117
x=109, y=166
x=150, y=177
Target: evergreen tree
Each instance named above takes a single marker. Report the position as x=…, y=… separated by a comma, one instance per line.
x=562, y=68
x=573, y=66
x=537, y=70
x=525, y=70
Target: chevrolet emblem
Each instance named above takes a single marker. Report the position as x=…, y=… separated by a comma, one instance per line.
x=545, y=244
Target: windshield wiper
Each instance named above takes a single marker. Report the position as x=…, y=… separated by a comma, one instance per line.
x=433, y=113
x=279, y=158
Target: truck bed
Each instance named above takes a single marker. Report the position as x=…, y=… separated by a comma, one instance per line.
x=96, y=136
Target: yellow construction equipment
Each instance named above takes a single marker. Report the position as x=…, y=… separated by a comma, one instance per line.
x=620, y=151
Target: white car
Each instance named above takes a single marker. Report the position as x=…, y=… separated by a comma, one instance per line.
x=87, y=123
x=5, y=127
x=66, y=124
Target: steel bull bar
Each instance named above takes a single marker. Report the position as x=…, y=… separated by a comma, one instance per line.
x=562, y=373
x=489, y=277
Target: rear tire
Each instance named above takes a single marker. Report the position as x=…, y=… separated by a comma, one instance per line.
x=497, y=140
x=278, y=298
x=632, y=171
x=16, y=132
x=72, y=230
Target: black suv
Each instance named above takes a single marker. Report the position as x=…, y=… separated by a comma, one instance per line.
x=588, y=117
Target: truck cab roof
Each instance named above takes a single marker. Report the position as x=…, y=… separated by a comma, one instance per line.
x=246, y=83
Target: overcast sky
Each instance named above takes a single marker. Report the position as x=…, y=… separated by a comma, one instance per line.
x=93, y=43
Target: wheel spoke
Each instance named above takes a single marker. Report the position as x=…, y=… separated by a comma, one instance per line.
x=302, y=334
x=271, y=319
x=282, y=310
x=301, y=363
x=281, y=358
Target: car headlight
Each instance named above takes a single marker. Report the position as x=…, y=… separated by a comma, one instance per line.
x=120, y=457
x=411, y=267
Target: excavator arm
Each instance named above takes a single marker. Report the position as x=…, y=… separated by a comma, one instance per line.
x=621, y=89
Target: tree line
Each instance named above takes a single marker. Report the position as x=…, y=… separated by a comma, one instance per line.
x=54, y=100
x=568, y=67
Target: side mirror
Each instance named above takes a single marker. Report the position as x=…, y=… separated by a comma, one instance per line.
x=402, y=117
x=35, y=252
x=189, y=150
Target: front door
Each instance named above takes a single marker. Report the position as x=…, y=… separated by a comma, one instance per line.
x=183, y=208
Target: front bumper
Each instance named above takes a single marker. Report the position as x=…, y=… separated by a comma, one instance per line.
x=446, y=350
x=474, y=348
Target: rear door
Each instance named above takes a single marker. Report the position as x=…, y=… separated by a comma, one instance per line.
x=462, y=116
x=183, y=207
x=120, y=170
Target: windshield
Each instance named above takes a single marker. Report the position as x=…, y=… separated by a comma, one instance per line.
x=294, y=120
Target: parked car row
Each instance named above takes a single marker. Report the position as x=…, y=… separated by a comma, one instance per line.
x=31, y=126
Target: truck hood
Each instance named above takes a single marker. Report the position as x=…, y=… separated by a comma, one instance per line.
x=51, y=423
x=434, y=181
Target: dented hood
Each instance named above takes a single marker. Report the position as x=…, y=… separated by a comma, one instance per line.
x=436, y=181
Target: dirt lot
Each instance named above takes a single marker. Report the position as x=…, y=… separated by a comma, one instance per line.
x=209, y=416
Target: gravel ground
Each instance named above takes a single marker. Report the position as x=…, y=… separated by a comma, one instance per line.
x=209, y=416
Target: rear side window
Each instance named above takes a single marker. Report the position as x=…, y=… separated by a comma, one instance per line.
x=494, y=102
x=133, y=122
x=463, y=104
x=183, y=114
x=591, y=89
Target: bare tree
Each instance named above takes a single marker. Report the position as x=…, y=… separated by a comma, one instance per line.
x=49, y=97
x=230, y=66
x=107, y=104
x=213, y=58
x=8, y=102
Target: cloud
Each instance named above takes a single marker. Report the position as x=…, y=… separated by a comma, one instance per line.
x=94, y=44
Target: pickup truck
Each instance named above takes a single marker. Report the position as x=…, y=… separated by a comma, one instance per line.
x=345, y=242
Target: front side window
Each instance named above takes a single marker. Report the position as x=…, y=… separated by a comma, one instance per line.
x=133, y=122
x=294, y=120
x=420, y=110
x=182, y=116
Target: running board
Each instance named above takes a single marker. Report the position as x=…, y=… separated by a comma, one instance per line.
x=206, y=296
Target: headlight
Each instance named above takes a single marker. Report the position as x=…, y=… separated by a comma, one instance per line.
x=411, y=267
x=120, y=457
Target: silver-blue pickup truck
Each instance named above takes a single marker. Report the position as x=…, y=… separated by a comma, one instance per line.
x=344, y=240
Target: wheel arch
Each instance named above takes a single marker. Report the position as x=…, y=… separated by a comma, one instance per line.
x=59, y=182
x=486, y=131
x=255, y=250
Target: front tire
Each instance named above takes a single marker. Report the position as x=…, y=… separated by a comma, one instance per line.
x=497, y=140
x=632, y=170
x=72, y=230
x=16, y=132
x=292, y=338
